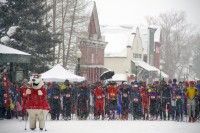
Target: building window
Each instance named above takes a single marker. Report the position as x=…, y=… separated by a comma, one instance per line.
x=135, y=55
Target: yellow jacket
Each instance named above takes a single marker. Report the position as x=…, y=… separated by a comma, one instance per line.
x=191, y=92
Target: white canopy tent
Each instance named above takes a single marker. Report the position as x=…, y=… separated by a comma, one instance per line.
x=59, y=74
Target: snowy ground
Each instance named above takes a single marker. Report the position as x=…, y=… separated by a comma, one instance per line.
x=89, y=126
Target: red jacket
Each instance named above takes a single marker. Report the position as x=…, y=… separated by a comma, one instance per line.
x=7, y=99
x=35, y=101
x=23, y=96
x=99, y=93
x=145, y=97
x=112, y=92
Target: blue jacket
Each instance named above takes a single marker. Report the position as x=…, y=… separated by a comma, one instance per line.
x=119, y=104
x=1, y=97
x=198, y=87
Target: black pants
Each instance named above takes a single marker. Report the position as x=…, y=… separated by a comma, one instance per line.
x=125, y=106
x=8, y=114
x=2, y=112
x=166, y=105
x=159, y=110
x=153, y=107
x=67, y=109
x=179, y=110
x=113, y=105
x=82, y=109
x=55, y=112
x=137, y=110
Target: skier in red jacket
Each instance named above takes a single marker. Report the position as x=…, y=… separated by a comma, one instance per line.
x=112, y=93
x=145, y=101
x=99, y=96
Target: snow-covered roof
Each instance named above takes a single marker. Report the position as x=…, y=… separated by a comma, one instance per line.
x=121, y=54
x=149, y=68
x=164, y=75
x=118, y=37
x=59, y=74
x=8, y=50
x=145, y=65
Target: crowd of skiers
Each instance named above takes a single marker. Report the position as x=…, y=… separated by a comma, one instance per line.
x=160, y=100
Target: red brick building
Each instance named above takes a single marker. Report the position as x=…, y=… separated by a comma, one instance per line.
x=92, y=45
x=157, y=55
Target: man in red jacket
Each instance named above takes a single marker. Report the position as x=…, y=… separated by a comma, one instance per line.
x=36, y=102
x=99, y=101
x=145, y=101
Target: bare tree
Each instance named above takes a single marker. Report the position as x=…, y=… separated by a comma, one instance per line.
x=71, y=32
x=67, y=17
x=196, y=55
x=54, y=26
x=175, y=34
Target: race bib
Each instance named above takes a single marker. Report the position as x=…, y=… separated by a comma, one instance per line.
x=153, y=97
x=68, y=95
x=125, y=95
x=112, y=94
x=55, y=97
x=5, y=95
x=99, y=97
x=135, y=100
x=173, y=103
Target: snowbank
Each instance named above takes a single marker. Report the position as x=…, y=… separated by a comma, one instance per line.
x=16, y=126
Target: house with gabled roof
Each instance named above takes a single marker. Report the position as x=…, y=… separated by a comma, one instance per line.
x=92, y=44
x=130, y=58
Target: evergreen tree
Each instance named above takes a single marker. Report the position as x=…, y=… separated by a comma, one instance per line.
x=32, y=36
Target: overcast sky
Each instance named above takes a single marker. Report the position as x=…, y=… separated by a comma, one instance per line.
x=133, y=12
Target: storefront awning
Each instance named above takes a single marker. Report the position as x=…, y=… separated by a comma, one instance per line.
x=8, y=54
x=145, y=65
x=150, y=68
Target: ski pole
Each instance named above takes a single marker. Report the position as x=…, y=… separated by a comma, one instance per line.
x=26, y=119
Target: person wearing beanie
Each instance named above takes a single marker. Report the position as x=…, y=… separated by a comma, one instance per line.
x=191, y=93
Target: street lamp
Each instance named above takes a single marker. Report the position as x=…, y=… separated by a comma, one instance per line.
x=160, y=72
x=162, y=62
x=189, y=71
x=78, y=55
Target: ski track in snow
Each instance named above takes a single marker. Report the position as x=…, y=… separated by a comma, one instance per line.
x=91, y=126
